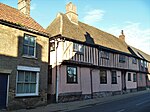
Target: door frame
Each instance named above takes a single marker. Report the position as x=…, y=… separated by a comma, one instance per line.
x=7, y=90
x=7, y=87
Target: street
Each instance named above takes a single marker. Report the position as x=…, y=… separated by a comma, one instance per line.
x=139, y=103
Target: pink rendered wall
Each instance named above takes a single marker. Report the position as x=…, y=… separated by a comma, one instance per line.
x=64, y=87
x=130, y=84
x=85, y=81
x=141, y=83
x=109, y=86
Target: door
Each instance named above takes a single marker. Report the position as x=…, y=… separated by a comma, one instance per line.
x=123, y=74
x=3, y=90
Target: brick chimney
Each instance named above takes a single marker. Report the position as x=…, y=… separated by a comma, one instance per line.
x=24, y=6
x=71, y=12
x=122, y=36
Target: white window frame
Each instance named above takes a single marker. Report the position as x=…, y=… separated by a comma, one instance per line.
x=78, y=48
x=27, y=55
x=31, y=69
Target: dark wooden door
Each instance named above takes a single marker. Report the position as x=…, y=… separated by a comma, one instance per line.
x=3, y=90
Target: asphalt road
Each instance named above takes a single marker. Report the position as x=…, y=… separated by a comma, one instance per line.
x=138, y=103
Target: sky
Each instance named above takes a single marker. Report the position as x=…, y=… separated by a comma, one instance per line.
x=112, y=16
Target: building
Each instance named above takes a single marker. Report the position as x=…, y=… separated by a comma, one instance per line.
x=87, y=62
x=23, y=58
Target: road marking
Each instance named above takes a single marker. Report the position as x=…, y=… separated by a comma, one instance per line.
x=121, y=110
x=142, y=103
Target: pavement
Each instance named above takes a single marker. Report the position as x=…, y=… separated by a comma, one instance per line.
x=69, y=106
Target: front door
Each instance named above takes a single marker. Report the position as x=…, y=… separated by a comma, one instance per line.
x=3, y=90
x=123, y=74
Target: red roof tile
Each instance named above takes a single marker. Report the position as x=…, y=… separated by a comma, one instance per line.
x=14, y=16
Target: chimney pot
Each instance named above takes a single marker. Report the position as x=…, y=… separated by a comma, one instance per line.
x=122, y=36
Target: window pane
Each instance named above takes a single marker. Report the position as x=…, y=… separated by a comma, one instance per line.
x=103, y=77
x=32, y=88
x=20, y=88
x=20, y=76
x=31, y=51
x=71, y=75
x=25, y=49
x=26, y=40
x=33, y=77
x=26, y=88
x=27, y=76
x=31, y=41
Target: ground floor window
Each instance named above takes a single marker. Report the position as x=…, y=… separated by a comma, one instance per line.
x=134, y=78
x=129, y=76
x=103, y=77
x=113, y=77
x=71, y=74
x=27, y=82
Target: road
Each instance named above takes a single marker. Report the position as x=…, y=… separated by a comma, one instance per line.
x=138, y=103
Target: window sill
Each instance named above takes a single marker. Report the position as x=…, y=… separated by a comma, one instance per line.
x=26, y=95
x=72, y=83
x=113, y=83
x=29, y=57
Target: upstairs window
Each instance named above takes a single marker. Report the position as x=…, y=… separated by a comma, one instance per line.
x=145, y=64
x=113, y=77
x=134, y=60
x=104, y=54
x=103, y=77
x=52, y=46
x=29, y=45
x=122, y=58
x=142, y=63
x=78, y=48
x=129, y=76
x=71, y=74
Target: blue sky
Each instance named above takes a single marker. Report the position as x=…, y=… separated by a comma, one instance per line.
x=133, y=16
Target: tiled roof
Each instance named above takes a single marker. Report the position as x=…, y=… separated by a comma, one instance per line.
x=85, y=33
x=140, y=53
x=14, y=16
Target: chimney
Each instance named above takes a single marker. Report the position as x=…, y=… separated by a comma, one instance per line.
x=122, y=36
x=24, y=6
x=71, y=12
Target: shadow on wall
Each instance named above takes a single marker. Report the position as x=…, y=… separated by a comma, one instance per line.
x=11, y=63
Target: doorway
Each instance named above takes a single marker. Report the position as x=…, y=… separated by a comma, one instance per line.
x=3, y=90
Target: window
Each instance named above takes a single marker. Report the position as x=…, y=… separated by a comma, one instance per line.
x=27, y=81
x=141, y=77
x=104, y=55
x=134, y=77
x=122, y=58
x=142, y=63
x=71, y=74
x=29, y=45
x=145, y=64
x=52, y=46
x=129, y=76
x=113, y=77
x=78, y=48
x=103, y=77
x=134, y=60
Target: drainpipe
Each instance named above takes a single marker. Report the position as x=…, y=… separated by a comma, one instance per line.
x=91, y=83
x=57, y=74
x=57, y=80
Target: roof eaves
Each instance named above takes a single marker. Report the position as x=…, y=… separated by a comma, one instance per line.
x=19, y=26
